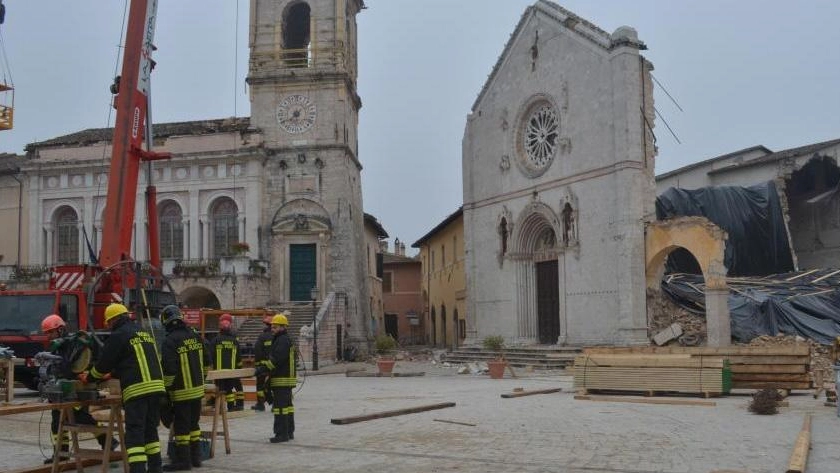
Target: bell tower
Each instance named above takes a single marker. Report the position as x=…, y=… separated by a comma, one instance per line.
x=302, y=76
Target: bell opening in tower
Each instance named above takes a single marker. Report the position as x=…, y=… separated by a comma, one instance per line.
x=296, y=35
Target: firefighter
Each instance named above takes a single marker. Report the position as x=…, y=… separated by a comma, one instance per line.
x=183, y=375
x=62, y=344
x=226, y=356
x=261, y=349
x=282, y=378
x=130, y=354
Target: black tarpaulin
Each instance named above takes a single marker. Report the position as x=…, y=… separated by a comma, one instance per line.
x=751, y=216
x=805, y=303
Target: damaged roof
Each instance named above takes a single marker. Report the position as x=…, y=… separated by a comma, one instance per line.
x=781, y=155
x=159, y=130
x=380, y=231
x=722, y=157
x=10, y=164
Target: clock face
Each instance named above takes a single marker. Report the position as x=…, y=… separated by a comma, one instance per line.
x=296, y=114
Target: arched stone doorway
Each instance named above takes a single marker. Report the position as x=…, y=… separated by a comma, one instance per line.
x=706, y=242
x=301, y=231
x=198, y=297
x=539, y=269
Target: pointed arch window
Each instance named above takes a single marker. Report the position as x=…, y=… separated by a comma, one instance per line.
x=224, y=226
x=67, y=236
x=171, y=230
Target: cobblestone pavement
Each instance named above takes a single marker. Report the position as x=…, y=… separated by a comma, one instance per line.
x=540, y=433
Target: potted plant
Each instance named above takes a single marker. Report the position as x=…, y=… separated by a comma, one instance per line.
x=496, y=344
x=240, y=248
x=385, y=345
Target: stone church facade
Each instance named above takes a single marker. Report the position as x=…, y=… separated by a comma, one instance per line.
x=286, y=181
x=558, y=160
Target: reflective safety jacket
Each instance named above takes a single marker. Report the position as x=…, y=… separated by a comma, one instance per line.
x=183, y=364
x=130, y=354
x=262, y=347
x=225, y=349
x=281, y=362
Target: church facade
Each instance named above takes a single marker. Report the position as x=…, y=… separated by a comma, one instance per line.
x=558, y=159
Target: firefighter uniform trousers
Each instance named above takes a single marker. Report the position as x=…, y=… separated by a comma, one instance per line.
x=227, y=357
x=142, y=415
x=262, y=347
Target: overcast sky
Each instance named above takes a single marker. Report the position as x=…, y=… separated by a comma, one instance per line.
x=745, y=72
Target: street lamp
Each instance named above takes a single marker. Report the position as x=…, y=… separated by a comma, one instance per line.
x=313, y=294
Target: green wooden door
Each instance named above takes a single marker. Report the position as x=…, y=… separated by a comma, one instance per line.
x=302, y=273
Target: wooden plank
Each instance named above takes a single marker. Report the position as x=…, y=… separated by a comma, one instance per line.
x=796, y=378
x=767, y=384
x=531, y=393
x=775, y=369
x=366, y=374
x=66, y=465
x=653, y=361
x=677, y=402
x=785, y=350
x=454, y=422
x=214, y=375
x=799, y=455
x=397, y=412
x=770, y=360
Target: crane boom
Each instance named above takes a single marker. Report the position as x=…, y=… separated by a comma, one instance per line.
x=129, y=133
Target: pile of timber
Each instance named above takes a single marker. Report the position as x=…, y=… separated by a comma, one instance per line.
x=652, y=374
x=777, y=367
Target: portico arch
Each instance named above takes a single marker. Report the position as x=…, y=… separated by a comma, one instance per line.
x=198, y=297
x=706, y=242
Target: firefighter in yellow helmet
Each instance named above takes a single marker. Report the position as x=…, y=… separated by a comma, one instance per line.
x=130, y=354
x=282, y=378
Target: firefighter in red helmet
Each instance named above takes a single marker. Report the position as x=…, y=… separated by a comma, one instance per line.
x=226, y=354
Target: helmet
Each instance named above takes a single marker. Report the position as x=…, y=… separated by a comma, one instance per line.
x=279, y=319
x=113, y=311
x=224, y=324
x=170, y=314
x=52, y=322
x=225, y=316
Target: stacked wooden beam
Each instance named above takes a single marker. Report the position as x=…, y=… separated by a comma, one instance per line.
x=652, y=373
x=778, y=367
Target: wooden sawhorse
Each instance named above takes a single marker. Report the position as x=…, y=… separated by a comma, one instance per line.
x=66, y=424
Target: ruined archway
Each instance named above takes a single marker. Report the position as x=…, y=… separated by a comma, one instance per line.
x=706, y=243
x=198, y=297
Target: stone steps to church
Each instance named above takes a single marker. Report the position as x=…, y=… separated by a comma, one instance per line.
x=548, y=358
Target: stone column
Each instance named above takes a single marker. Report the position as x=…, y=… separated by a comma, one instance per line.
x=204, y=251
x=718, y=330
x=50, y=232
x=185, y=238
x=80, y=250
x=241, y=230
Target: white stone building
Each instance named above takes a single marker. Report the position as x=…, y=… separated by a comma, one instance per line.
x=558, y=160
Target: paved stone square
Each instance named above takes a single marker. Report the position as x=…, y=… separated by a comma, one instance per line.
x=540, y=433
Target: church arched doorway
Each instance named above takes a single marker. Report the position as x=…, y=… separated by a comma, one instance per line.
x=198, y=297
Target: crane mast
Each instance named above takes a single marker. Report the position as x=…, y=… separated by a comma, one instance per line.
x=132, y=104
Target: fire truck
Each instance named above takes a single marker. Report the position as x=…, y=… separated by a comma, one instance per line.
x=80, y=293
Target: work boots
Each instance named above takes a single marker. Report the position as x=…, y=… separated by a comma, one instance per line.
x=290, y=424
x=180, y=459
x=281, y=429
x=115, y=444
x=195, y=454
x=259, y=406
x=137, y=467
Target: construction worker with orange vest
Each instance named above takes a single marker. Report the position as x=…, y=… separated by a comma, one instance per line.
x=130, y=355
x=67, y=346
x=183, y=375
x=282, y=373
x=262, y=347
x=227, y=356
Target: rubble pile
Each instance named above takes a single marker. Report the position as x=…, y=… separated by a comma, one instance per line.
x=662, y=312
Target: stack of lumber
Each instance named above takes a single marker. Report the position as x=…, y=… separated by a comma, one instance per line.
x=778, y=367
x=652, y=373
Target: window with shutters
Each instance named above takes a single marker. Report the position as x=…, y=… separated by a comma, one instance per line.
x=67, y=236
x=171, y=230
x=224, y=226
